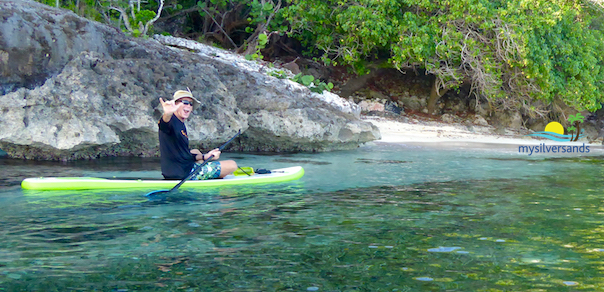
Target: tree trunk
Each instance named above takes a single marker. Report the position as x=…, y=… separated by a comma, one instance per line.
x=435, y=95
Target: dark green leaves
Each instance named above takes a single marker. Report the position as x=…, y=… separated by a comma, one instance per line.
x=517, y=51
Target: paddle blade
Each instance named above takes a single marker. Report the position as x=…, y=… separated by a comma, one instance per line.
x=157, y=193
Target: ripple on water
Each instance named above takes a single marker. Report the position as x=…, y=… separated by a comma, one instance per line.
x=444, y=249
x=570, y=283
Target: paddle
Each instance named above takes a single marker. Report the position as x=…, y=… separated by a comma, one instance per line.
x=194, y=172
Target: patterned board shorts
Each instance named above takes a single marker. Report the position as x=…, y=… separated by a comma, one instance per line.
x=209, y=171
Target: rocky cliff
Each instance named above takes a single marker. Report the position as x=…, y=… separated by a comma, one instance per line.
x=73, y=88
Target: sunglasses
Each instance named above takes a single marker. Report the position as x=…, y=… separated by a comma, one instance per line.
x=186, y=102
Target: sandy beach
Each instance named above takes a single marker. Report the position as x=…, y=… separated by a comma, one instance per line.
x=438, y=134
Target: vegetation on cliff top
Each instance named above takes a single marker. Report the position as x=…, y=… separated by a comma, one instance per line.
x=511, y=52
x=524, y=55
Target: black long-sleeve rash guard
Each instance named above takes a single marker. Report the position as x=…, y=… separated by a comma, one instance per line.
x=176, y=158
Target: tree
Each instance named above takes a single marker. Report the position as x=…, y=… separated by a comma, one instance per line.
x=511, y=53
x=135, y=20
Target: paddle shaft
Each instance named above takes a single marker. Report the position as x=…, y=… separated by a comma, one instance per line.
x=193, y=173
x=199, y=166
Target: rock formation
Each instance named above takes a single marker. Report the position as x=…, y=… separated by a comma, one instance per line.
x=72, y=88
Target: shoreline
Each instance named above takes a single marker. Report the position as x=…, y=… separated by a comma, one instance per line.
x=455, y=135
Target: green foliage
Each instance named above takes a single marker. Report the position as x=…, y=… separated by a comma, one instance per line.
x=312, y=84
x=305, y=80
x=278, y=74
x=309, y=81
x=565, y=60
x=84, y=8
x=513, y=52
x=258, y=10
x=228, y=20
x=137, y=18
x=135, y=32
x=260, y=13
x=142, y=16
x=114, y=11
x=262, y=41
x=321, y=86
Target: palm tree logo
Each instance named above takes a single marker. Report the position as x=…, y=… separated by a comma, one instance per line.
x=555, y=131
x=575, y=121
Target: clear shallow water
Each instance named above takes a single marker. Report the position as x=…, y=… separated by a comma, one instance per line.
x=379, y=218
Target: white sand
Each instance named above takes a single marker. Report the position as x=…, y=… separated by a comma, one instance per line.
x=433, y=133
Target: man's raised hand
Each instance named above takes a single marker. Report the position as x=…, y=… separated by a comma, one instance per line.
x=169, y=107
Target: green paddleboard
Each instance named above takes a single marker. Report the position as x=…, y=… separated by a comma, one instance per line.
x=91, y=183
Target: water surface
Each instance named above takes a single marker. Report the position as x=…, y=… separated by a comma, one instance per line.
x=384, y=217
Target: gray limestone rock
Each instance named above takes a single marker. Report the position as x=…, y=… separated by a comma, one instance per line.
x=73, y=88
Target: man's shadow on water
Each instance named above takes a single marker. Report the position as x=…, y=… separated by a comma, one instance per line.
x=180, y=197
x=198, y=197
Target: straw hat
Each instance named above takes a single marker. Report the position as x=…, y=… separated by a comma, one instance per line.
x=185, y=93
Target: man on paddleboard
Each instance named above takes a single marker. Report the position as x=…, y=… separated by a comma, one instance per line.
x=177, y=160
